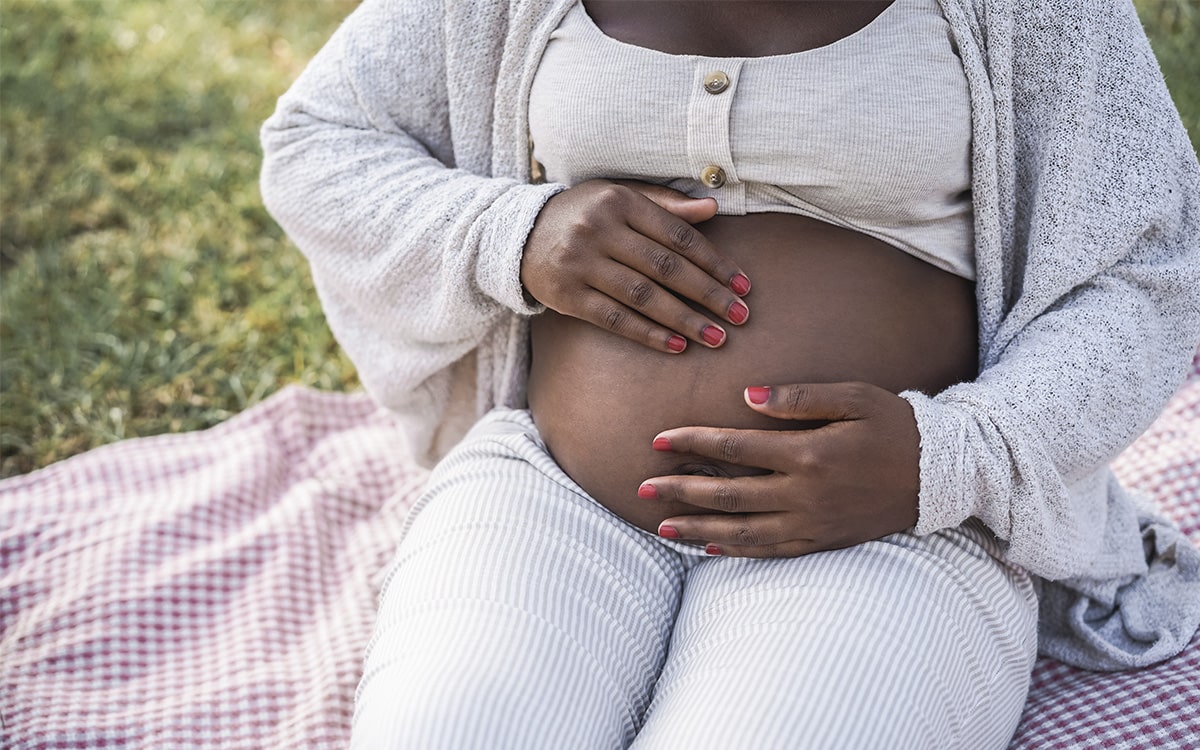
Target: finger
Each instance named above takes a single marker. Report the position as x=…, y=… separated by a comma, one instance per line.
x=764, y=449
x=673, y=271
x=739, y=530
x=691, y=210
x=793, y=548
x=754, y=494
x=786, y=549
x=658, y=305
x=675, y=234
x=823, y=401
x=603, y=311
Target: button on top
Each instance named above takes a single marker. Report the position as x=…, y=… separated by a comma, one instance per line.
x=716, y=82
x=713, y=176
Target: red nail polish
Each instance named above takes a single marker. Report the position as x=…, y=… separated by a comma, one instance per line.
x=648, y=492
x=712, y=335
x=739, y=284
x=676, y=343
x=668, y=532
x=713, y=549
x=738, y=312
x=662, y=444
x=758, y=394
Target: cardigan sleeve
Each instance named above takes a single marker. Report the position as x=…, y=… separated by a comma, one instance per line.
x=385, y=186
x=1103, y=251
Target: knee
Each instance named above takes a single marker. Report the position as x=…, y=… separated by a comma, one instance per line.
x=487, y=698
x=406, y=710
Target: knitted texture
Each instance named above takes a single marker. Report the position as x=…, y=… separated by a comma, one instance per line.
x=399, y=163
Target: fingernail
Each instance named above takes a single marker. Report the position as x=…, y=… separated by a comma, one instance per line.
x=738, y=312
x=648, y=492
x=710, y=549
x=662, y=444
x=758, y=394
x=668, y=532
x=712, y=335
x=739, y=284
x=676, y=343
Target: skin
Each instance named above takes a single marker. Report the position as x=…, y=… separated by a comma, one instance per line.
x=678, y=441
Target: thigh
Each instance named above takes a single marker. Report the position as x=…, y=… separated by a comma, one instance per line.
x=905, y=642
x=517, y=612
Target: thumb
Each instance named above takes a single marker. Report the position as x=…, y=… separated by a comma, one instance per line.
x=824, y=401
x=692, y=210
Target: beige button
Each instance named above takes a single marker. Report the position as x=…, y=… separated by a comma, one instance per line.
x=713, y=176
x=716, y=82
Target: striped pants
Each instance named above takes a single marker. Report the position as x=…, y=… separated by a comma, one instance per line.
x=519, y=613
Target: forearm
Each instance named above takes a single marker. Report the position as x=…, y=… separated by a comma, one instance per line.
x=416, y=259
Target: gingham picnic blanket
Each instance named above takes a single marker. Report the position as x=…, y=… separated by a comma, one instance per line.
x=217, y=589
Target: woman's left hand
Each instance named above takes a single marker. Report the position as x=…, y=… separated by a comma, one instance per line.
x=851, y=480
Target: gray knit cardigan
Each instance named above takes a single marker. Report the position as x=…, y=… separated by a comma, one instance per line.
x=399, y=164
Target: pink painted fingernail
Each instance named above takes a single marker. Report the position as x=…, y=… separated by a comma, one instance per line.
x=739, y=284
x=676, y=343
x=662, y=444
x=712, y=335
x=668, y=532
x=713, y=549
x=738, y=312
x=648, y=492
x=758, y=394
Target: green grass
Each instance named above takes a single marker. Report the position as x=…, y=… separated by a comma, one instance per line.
x=1174, y=30
x=144, y=288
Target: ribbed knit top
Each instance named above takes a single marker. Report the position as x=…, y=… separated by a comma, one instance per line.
x=871, y=132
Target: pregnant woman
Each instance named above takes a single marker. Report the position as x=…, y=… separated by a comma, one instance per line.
x=799, y=367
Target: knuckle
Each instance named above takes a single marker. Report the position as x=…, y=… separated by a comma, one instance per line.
x=798, y=398
x=613, y=319
x=727, y=498
x=857, y=394
x=650, y=336
x=582, y=227
x=747, y=537
x=713, y=296
x=807, y=459
x=684, y=238
x=857, y=390
x=665, y=265
x=611, y=194
x=641, y=293
x=672, y=492
x=729, y=449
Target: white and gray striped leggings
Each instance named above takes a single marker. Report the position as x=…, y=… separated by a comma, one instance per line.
x=520, y=613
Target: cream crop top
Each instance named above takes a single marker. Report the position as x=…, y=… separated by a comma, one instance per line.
x=871, y=132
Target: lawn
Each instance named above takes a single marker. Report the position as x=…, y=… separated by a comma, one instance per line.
x=144, y=288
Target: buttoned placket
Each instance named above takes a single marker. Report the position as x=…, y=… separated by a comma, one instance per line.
x=710, y=153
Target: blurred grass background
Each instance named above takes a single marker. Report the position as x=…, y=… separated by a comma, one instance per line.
x=143, y=287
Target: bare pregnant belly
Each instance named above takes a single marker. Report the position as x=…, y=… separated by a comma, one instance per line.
x=827, y=304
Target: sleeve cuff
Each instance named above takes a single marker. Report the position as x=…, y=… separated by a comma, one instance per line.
x=509, y=221
x=943, y=502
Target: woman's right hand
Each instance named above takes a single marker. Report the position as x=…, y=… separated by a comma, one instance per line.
x=616, y=254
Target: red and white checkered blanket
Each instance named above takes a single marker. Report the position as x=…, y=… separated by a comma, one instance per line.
x=217, y=589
